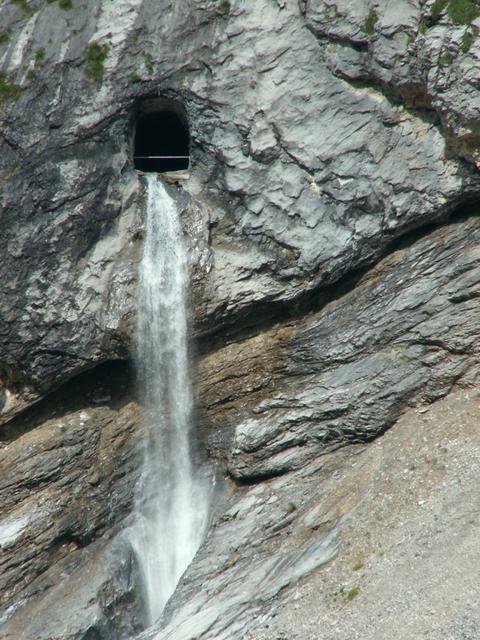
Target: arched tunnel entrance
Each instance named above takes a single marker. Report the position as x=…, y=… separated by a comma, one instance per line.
x=162, y=141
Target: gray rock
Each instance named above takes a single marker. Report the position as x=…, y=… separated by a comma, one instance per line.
x=320, y=133
x=68, y=471
x=406, y=331
x=92, y=593
x=298, y=177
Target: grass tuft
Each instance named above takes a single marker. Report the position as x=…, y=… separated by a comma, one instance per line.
x=8, y=87
x=39, y=56
x=225, y=7
x=5, y=36
x=352, y=593
x=468, y=39
x=423, y=28
x=446, y=59
x=66, y=5
x=22, y=4
x=459, y=11
x=148, y=61
x=463, y=11
x=438, y=8
x=95, y=58
x=370, y=22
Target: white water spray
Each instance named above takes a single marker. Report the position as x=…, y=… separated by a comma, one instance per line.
x=173, y=496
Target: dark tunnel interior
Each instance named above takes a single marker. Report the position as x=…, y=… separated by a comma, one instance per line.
x=161, y=142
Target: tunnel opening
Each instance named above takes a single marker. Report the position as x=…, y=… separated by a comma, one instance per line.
x=162, y=141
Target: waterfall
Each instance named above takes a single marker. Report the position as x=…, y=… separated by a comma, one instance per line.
x=173, y=495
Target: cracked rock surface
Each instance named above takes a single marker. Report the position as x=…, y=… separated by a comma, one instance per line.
x=332, y=222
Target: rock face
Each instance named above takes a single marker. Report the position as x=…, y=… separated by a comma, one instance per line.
x=330, y=212
x=67, y=471
x=404, y=332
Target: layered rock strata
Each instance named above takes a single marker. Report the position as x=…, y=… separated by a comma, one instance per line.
x=331, y=217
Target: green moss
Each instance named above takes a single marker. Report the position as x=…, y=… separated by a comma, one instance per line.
x=468, y=39
x=5, y=36
x=225, y=7
x=463, y=11
x=134, y=77
x=95, y=57
x=8, y=87
x=31, y=74
x=357, y=566
x=370, y=22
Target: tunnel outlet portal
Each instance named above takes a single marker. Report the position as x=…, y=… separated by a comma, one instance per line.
x=161, y=139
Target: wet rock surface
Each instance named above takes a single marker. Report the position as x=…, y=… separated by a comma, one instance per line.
x=90, y=593
x=297, y=392
x=67, y=473
x=366, y=542
x=331, y=218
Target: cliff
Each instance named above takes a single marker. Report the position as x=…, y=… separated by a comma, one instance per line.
x=331, y=218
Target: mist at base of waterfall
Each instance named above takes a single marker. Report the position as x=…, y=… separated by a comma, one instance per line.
x=173, y=494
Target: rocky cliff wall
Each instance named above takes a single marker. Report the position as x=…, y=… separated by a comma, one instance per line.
x=331, y=216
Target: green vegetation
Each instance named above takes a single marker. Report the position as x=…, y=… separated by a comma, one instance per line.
x=357, y=566
x=348, y=594
x=446, y=58
x=352, y=593
x=39, y=57
x=459, y=11
x=370, y=22
x=463, y=11
x=423, y=27
x=467, y=41
x=148, y=60
x=437, y=9
x=8, y=87
x=134, y=77
x=225, y=7
x=5, y=36
x=63, y=4
x=38, y=61
x=22, y=4
x=95, y=57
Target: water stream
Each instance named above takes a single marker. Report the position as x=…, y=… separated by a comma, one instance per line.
x=173, y=495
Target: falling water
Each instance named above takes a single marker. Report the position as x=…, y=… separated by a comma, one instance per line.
x=173, y=495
